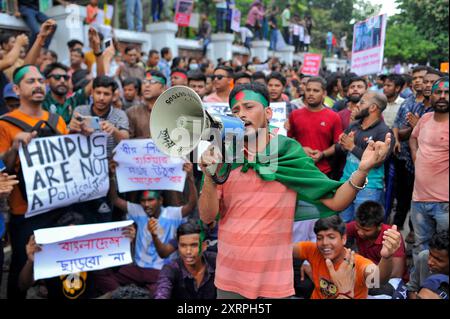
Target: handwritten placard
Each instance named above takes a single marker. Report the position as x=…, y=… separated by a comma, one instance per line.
x=279, y=117
x=217, y=108
x=62, y=170
x=141, y=166
x=99, y=246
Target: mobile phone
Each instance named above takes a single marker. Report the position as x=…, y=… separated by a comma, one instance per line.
x=2, y=166
x=92, y=122
x=108, y=43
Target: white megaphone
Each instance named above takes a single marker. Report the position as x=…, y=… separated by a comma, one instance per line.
x=178, y=123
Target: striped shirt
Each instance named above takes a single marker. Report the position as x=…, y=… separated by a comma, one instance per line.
x=255, y=237
x=115, y=116
x=146, y=255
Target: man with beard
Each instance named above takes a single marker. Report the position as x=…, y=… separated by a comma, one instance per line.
x=257, y=202
x=356, y=89
x=408, y=114
x=56, y=100
x=153, y=85
x=29, y=85
x=367, y=127
x=149, y=214
x=429, y=144
x=316, y=127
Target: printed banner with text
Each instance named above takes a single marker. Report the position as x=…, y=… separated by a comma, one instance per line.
x=183, y=12
x=311, y=64
x=63, y=170
x=141, y=166
x=74, y=249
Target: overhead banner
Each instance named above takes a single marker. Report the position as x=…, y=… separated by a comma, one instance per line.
x=183, y=12
x=141, y=166
x=368, y=45
x=311, y=64
x=63, y=170
x=81, y=248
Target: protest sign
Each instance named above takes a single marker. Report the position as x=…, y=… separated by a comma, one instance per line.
x=74, y=249
x=236, y=20
x=279, y=117
x=311, y=64
x=63, y=170
x=217, y=108
x=368, y=45
x=141, y=166
x=183, y=12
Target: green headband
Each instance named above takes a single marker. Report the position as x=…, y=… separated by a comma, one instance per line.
x=440, y=84
x=150, y=195
x=156, y=78
x=21, y=73
x=249, y=95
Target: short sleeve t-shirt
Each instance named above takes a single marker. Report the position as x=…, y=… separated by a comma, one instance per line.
x=8, y=132
x=324, y=286
x=317, y=130
x=431, y=179
x=146, y=255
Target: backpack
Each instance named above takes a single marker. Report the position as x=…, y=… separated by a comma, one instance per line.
x=44, y=129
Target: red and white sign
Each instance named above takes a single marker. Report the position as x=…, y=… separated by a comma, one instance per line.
x=368, y=45
x=183, y=12
x=311, y=64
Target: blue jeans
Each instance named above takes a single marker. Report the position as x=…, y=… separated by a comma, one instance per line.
x=427, y=218
x=273, y=39
x=221, y=16
x=364, y=195
x=157, y=7
x=134, y=9
x=33, y=19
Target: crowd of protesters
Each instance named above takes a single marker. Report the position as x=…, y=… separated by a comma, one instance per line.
x=358, y=159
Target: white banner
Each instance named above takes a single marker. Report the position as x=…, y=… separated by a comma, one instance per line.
x=236, y=20
x=217, y=108
x=141, y=166
x=368, y=45
x=74, y=249
x=279, y=117
x=63, y=170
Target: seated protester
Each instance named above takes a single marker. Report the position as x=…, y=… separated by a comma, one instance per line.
x=242, y=78
x=131, y=92
x=179, y=77
x=434, y=287
x=191, y=275
x=113, y=121
x=197, y=82
x=431, y=261
x=148, y=263
x=368, y=230
x=329, y=253
x=72, y=286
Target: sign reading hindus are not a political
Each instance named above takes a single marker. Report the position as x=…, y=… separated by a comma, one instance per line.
x=141, y=166
x=63, y=170
x=74, y=249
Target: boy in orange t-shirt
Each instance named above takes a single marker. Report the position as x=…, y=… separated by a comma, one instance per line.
x=329, y=251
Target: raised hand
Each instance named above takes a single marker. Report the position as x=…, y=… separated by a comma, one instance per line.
x=375, y=154
x=7, y=183
x=391, y=242
x=344, y=277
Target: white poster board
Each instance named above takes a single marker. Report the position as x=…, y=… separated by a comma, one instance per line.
x=74, y=249
x=368, y=45
x=217, y=108
x=141, y=166
x=63, y=170
x=279, y=117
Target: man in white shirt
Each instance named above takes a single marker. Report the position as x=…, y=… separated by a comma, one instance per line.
x=392, y=87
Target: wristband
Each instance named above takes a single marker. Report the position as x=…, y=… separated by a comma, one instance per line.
x=358, y=188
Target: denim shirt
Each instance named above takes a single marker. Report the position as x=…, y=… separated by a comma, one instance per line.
x=176, y=282
x=410, y=105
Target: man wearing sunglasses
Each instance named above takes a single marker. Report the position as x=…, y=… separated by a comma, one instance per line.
x=222, y=81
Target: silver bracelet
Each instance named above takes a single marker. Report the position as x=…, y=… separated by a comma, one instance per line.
x=358, y=188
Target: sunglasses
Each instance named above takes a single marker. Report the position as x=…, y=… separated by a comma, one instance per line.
x=218, y=77
x=58, y=77
x=150, y=82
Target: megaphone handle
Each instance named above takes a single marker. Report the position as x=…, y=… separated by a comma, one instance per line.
x=219, y=180
x=212, y=169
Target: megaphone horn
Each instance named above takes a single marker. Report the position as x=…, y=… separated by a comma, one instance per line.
x=178, y=123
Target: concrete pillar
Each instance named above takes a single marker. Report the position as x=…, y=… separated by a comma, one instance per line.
x=260, y=49
x=70, y=26
x=286, y=54
x=221, y=46
x=163, y=35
